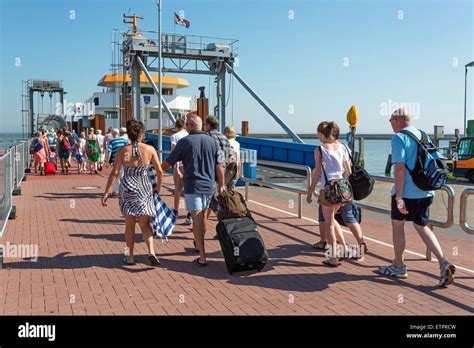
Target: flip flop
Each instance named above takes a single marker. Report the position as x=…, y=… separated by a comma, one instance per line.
x=200, y=264
x=153, y=260
x=125, y=261
x=320, y=245
x=327, y=263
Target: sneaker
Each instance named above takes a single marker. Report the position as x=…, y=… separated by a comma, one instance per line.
x=446, y=276
x=394, y=271
x=188, y=220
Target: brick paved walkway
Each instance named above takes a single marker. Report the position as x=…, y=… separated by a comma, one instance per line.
x=79, y=269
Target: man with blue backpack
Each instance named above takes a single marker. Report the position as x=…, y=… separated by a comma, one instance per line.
x=419, y=170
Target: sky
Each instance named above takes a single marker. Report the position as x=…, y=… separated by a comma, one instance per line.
x=309, y=60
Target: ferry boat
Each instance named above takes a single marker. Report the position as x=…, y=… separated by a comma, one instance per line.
x=114, y=97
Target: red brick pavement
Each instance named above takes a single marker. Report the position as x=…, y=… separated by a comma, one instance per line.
x=79, y=269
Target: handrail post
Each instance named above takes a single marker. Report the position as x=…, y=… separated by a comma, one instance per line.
x=246, y=191
x=428, y=251
x=462, y=211
x=300, y=206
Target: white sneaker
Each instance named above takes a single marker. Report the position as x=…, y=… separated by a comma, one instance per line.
x=188, y=220
x=446, y=276
x=394, y=271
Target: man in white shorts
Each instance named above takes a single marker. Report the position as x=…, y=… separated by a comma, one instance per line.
x=178, y=169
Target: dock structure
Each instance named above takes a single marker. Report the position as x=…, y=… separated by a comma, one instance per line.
x=186, y=54
x=79, y=269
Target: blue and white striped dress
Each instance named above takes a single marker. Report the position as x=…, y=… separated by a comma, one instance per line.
x=136, y=191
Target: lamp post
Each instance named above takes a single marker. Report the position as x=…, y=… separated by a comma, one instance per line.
x=471, y=64
x=160, y=76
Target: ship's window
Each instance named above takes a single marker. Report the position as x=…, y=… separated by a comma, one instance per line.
x=154, y=115
x=111, y=114
x=147, y=90
x=167, y=91
x=96, y=101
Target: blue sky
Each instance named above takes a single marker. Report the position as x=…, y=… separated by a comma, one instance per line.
x=328, y=56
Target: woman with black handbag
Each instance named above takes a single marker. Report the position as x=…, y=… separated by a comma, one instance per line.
x=332, y=160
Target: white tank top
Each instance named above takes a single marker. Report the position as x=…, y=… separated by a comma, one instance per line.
x=333, y=163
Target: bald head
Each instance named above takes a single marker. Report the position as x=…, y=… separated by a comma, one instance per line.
x=194, y=121
x=402, y=113
x=400, y=119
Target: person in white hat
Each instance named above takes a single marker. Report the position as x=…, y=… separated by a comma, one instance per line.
x=123, y=134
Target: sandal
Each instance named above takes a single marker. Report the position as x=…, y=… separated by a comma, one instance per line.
x=321, y=245
x=153, y=260
x=200, y=263
x=329, y=264
x=125, y=261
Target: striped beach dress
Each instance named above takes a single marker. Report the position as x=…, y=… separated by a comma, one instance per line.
x=136, y=191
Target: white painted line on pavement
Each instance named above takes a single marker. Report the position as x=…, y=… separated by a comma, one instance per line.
x=347, y=231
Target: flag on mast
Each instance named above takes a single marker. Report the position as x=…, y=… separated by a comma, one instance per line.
x=181, y=21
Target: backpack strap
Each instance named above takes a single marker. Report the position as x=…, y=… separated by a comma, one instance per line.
x=414, y=137
x=418, y=141
x=349, y=153
x=322, y=164
x=348, y=150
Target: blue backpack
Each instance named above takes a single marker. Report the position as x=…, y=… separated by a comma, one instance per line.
x=430, y=171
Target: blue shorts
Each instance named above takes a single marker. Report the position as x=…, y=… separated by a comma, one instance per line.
x=196, y=201
x=346, y=212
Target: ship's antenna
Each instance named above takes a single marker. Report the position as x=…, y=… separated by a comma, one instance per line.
x=133, y=23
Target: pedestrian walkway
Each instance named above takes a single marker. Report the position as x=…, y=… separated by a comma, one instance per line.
x=79, y=270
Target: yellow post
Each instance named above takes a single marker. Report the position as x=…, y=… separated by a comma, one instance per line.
x=352, y=117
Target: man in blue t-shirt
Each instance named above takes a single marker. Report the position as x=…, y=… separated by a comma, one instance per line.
x=199, y=154
x=410, y=203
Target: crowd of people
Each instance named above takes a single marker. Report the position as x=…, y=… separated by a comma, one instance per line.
x=205, y=163
x=92, y=150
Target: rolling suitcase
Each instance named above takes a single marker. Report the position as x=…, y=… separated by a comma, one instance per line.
x=49, y=168
x=241, y=244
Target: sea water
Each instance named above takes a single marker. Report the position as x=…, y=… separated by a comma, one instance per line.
x=376, y=152
x=7, y=140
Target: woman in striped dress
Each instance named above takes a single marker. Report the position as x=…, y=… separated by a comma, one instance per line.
x=136, y=191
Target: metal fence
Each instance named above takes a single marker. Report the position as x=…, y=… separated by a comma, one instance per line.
x=283, y=187
x=463, y=211
x=13, y=165
x=300, y=191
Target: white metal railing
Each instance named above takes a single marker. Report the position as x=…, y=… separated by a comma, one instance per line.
x=13, y=165
x=283, y=187
x=6, y=187
x=432, y=223
x=463, y=211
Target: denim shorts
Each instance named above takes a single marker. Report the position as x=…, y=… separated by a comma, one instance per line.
x=196, y=201
x=345, y=211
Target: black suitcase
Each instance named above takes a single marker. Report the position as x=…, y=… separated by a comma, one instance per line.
x=241, y=244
